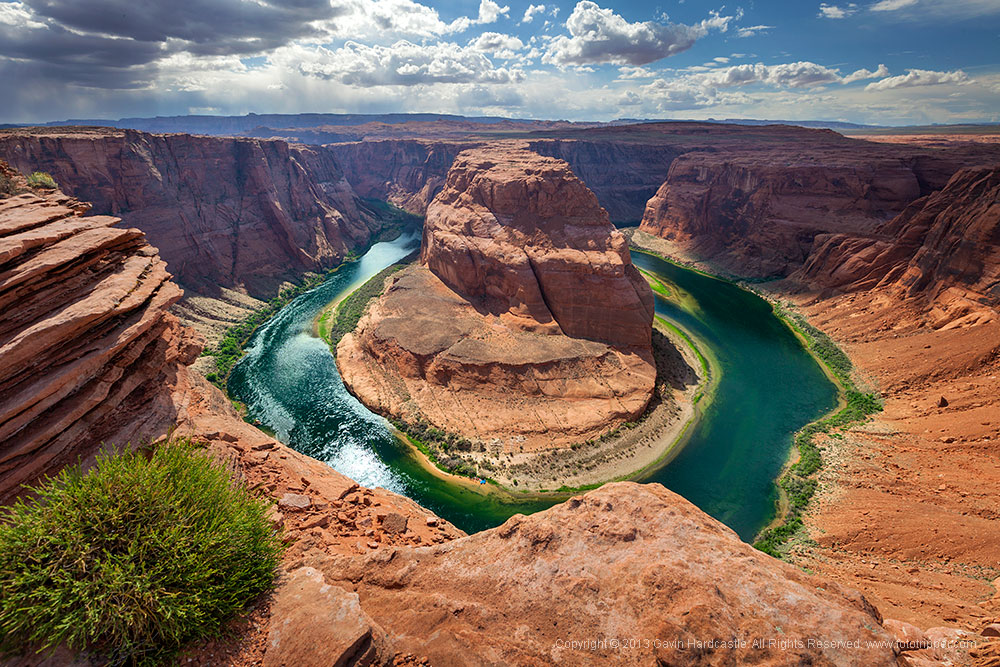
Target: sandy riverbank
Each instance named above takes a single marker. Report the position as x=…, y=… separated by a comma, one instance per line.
x=906, y=506
x=630, y=452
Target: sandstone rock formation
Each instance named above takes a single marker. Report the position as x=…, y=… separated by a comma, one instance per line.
x=223, y=212
x=623, y=174
x=249, y=213
x=87, y=348
x=943, y=249
x=522, y=237
x=318, y=624
x=525, y=323
x=757, y=211
x=627, y=563
x=88, y=355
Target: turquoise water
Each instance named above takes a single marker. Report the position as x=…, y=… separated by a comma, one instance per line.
x=768, y=387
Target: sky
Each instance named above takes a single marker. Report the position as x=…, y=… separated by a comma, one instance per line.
x=886, y=62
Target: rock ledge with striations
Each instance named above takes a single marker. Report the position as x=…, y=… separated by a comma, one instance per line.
x=88, y=351
x=631, y=574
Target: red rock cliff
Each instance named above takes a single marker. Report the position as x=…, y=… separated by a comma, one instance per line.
x=405, y=172
x=88, y=351
x=526, y=323
x=623, y=174
x=757, y=211
x=223, y=212
x=943, y=249
x=523, y=237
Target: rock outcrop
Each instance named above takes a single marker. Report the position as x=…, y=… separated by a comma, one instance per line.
x=756, y=212
x=224, y=212
x=525, y=323
x=88, y=352
x=623, y=174
x=522, y=237
x=943, y=249
x=631, y=574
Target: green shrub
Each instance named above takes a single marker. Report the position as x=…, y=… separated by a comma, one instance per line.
x=771, y=540
x=40, y=179
x=7, y=186
x=134, y=558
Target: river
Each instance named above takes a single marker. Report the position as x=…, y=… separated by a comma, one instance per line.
x=767, y=387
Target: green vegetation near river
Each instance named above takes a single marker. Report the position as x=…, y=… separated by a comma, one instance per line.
x=797, y=483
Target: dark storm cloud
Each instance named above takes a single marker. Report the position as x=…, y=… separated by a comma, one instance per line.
x=118, y=43
x=56, y=45
x=48, y=77
x=217, y=27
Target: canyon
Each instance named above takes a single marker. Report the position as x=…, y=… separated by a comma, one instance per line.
x=357, y=579
x=223, y=212
x=891, y=249
x=256, y=212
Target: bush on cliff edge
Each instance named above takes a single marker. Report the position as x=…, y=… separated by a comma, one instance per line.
x=40, y=179
x=133, y=558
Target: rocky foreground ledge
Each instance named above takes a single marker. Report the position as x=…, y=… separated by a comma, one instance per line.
x=87, y=347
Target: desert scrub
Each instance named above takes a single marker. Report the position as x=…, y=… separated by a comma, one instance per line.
x=7, y=185
x=40, y=179
x=133, y=558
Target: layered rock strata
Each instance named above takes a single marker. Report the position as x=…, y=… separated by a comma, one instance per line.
x=757, y=212
x=623, y=175
x=243, y=213
x=671, y=586
x=943, y=249
x=525, y=323
x=87, y=348
x=406, y=172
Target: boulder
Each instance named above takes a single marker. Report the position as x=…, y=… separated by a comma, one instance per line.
x=394, y=523
x=313, y=623
x=908, y=636
x=294, y=502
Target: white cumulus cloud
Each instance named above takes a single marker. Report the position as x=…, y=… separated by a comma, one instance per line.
x=531, y=12
x=919, y=77
x=598, y=35
x=862, y=74
x=836, y=11
x=498, y=44
x=402, y=63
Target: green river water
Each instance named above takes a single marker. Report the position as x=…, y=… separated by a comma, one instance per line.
x=767, y=387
